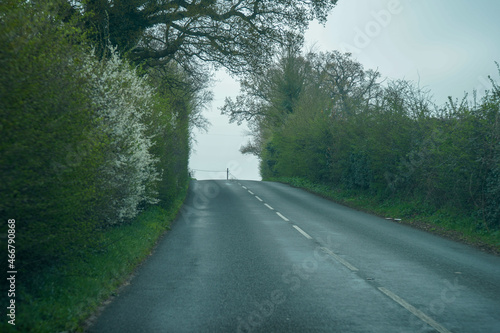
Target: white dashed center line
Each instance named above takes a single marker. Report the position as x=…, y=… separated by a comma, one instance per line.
x=271, y=208
x=305, y=234
x=339, y=259
x=284, y=218
x=414, y=311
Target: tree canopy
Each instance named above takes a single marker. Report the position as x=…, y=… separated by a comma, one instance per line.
x=239, y=34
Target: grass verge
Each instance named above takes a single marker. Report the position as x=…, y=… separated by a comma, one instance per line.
x=447, y=222
x=61, y=299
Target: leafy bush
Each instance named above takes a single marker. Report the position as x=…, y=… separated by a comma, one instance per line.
x=346, y=129
x=50, y=149
x=87, y=142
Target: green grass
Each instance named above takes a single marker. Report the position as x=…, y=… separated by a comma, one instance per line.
x=448, y=221
x=60, y=299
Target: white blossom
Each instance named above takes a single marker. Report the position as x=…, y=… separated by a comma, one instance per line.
x=122, y=100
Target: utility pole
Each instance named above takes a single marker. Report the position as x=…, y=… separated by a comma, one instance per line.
x=227, y=174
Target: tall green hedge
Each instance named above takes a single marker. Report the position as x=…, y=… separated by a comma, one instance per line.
x=87, y=142
x=348, y=128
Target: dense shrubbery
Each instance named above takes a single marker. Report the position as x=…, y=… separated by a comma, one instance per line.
x=328, y=120
x=87, y=142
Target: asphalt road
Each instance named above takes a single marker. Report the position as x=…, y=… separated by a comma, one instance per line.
x=247, y=256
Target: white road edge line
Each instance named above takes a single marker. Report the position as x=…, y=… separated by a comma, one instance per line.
x=250, y=192
x=305, y=234
x=422, y=316
x=244, y=187
x=259, y=198
x=284, y=218
x=339, y=259
x=271, y=208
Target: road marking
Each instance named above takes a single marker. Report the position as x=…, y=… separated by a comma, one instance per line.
x=250, y=192
x=422, y=316
x=284, y=218
x=305, y=234
x=339, y=259
x=259, y=198
x=271, y=208
x=244, y=187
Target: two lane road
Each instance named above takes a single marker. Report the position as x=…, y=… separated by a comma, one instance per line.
x=248, y=256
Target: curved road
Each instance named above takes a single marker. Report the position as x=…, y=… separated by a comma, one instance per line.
x=248, y=256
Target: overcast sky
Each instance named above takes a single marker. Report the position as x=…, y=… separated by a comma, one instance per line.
x=448, y=46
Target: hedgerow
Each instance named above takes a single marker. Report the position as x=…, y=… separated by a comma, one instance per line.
x=87, y=141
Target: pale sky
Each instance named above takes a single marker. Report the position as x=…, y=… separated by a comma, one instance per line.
x=447, y=46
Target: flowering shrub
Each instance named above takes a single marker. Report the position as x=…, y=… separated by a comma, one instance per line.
x=122, y=102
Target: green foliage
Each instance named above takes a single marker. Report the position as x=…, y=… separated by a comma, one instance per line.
x=171, y=131
x=268, y=99
x=347, y=130
x=87, y=142
x=50, y=149
x=241, y=36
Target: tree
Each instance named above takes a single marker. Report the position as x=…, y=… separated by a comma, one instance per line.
x=267, y=98
x=237, y=34
x=350, y=87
